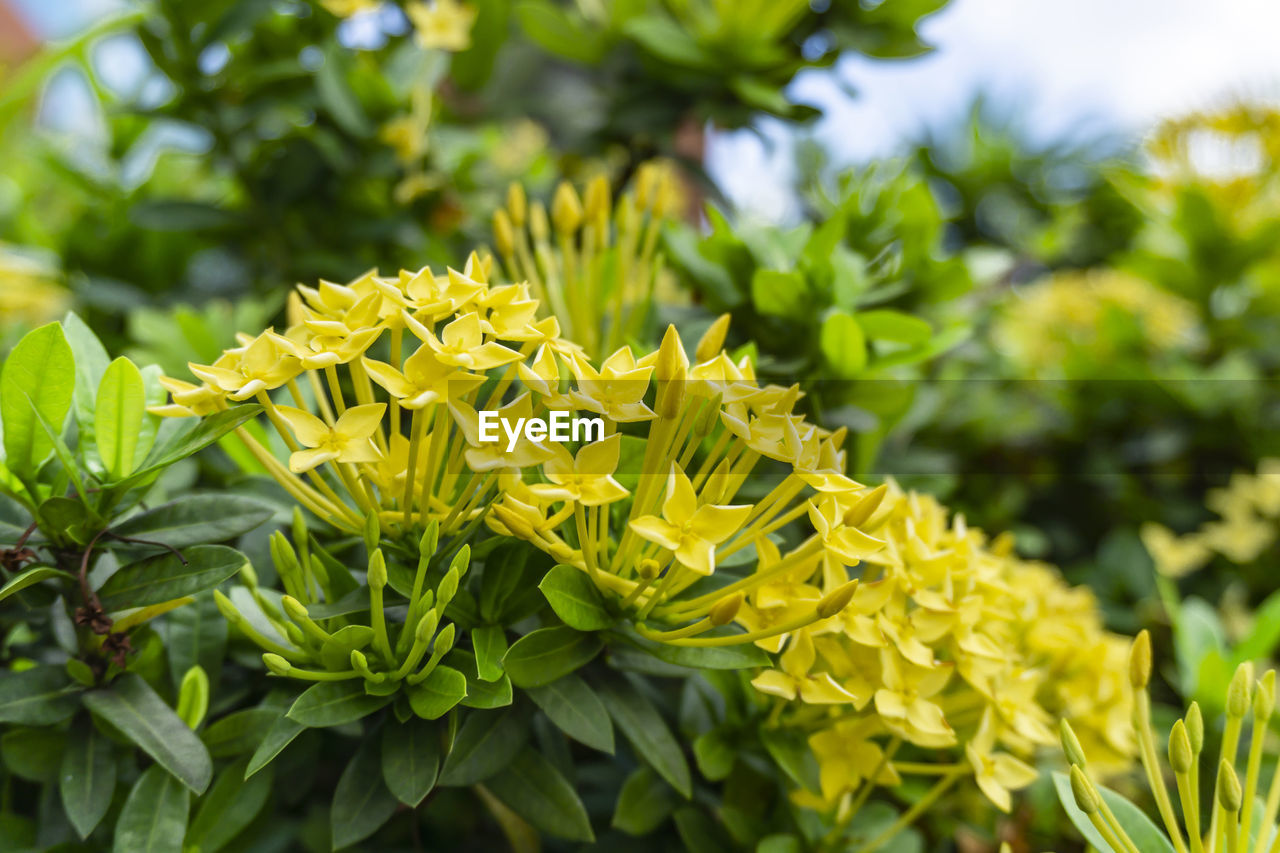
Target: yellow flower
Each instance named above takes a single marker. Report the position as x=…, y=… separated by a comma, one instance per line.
x=846, y=756
x=425, y=380
x=616, y=390
x=794, y=680
x=1174, y=556
x=188, y=399
x=348, y=440
x=265, y=363
x=587, y=478
x=997, y=773
x=461, y=344
x=690, y=531
x=488, y=456
x=443, y=25
x=347, y=8
x=903, y=701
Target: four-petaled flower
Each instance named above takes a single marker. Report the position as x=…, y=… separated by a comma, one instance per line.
x=690, y=531
x=350, y=439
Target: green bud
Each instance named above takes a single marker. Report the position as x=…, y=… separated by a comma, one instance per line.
x=517, y=204
x=1180, y=755
x=249, y=575
x=723, y=611
x=193, y=697
x=372, y=532
x=430, y=539
x=648, y=568
x=295, y=635
x=1195, y=728
x=447, y=588
x=1071, y=745
x=444, y=641
x=278, y=665
x=1086, y=797
x=461, y=561
x=1240, y=691
x=299, y=526
x=377, y=570
x=294, y=608
x=708, y=417
x=426, y=627
x=504, y=235
x=1264, y=697
x=1228, y=790
x=283, y=555
x=1140, y=661
x=226, y=608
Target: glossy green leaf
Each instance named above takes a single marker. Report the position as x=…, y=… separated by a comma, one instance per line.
x=790, y=750
x=333, y=703
x=196, y=520
x=231, y=805
x=281, y=733
x=361, y=801
x=490, y=643
x=575, y=599
x=154, y=817
x=573, y=706
x=164, y=577
x=87, y=778
x=844, y=347
x=1132, y=819
x=480, y=694
x=30, y=577
x=438, y=692
x=644, y=802
x=195, y=635
x=238, y=732
x=117, y=419
x=532, y=788
x=410, y=759
x=486, y=743
x=647, y=732
x=34, y=754
x=91, y=362
x=133, y=707
x=542, y=656
x=204, y=433
x=38, y=376
x=40, y=696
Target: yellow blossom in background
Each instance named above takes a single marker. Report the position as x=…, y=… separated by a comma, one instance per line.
x=347, y=8
x=30, y=294
x=442, y=24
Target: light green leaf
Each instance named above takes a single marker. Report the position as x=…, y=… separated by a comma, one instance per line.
x=542, y=656
x=333, y=703
x=117, y=419
x=577, y=710
x=410, y=759
x=780, y=294
x=557, y=31
x=889, y=325
x=30, y=577
x=183, y=444
x=644, y=802
x=490, y=643
x=361, y=801
x=154, y=818
x=575, y=599
x=164, y=577
x=281, y=734
x=133, y=707
x=443, y=688
x=1135, y=823
x=91, y=362
x=844, y=348
x=534, y=789
x=648, y=733
x=39, y=376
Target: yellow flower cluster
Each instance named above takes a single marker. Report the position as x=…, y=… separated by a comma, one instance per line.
x=437, y=24
x=29, y=292
x=591, y=262
x=1248, y=510
x=1097, y=313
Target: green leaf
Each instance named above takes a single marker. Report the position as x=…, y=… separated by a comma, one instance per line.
x=361, y=801
x=30, y=577
x=133, y=707
x=555, y=30
x=333, y=703
x=714, y=755
x=644, y=802
x=534, y=789
x=504, y=570
x=164, y=577
x=486, y=743
x=443, y=688
x=889, y=325
x=791, y=752
x=183, y=444
x=33, y=754
x=38, y=377
x=196, y=520
x=87, y=779
x=480, y=694
x=117, y=420
x=1135, y=823
x=780, y=294
x=1261, y=640
x=410, y=759
x=281, y=734
x=91, y=362
x=577, y=710
x=337, y=96
x=40, y=696
x=575, y=599
x=195, y=635
x=542, y=656
x=844, y=348
x=154, y=817
x=238, y=732
x=490, y=643
x=181, y=215
x=669, y=42
x=231, y=805
x=644, y=727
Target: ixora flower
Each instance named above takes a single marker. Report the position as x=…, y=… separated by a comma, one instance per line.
x=442, y=24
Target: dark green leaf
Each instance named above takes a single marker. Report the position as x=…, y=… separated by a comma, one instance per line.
x=438, y=692
x=239, y=732
x=644, y=802
x=133, y=707
x=196, y=520
x=336, y=95
x=163, y=577
x=333, y=703
x=154, y=818
x=577, y=710
x=542, y=656
x=714, y=754
x=180, y=215
x=40, y=696
x=556, y=30
x=38, y=378
x=410, y=759
x=792, y=753
x=361, y=801
x=87, y=779
x=195, y=635
x=280, y=735
x=575, y=599
x=33, y=754
x=644, y=727
x=486, y=743
x=231, y=805
x=532, y=788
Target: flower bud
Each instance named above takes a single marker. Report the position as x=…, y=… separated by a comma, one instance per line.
x=866, y=506
x=294, y=608
x=1195, y=728
x=377, y=570
x=447, y=588
x=444, y=640
x=646, y=180
x=1240, y=691
x=504, y=235
x=1140, y=661
x=1264, y=697
x=372, y=532
x=430, y=538
x=836, y=600
x=708, y=417
x=539, y=226
x=1071, y=745
x=566, y=209
x=193, y=697
x=1086, y=797
x=249, y=575
x=648, y=569
x=299, y=524
x=723, y=611
x=712, y=341
x=283, y=555
x=278, y=665
x=598, y=199
x=670, y=371
x=360, y=664
x=1181, y=756
x=461, y=561
x=426, y=627
x=1229, y=794
x=517, y=204
x=295, y=635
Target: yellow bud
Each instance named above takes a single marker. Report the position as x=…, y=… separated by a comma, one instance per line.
x=566, y=209
x=1228, y=790
x=1071, y=745
x=723, y=611
x=646, y=179
x=377, y=570
x=709, y=416
x=276, y=664
x=1264, y=697
x=1180, y=755
x=504, y=234
x=670, y=370
x=1140, y=661
x=294, y=608
x=712, y=340
x=517, y=204
x=1239, y=692
x=1086, y=797
x=539, y=227
x=598, y=199
x=866, y=506
x=836, y=600
x=299, y=521
x=648, y=569
x=1195, y=728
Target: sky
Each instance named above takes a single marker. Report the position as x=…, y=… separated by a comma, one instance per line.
x=1069, y=67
